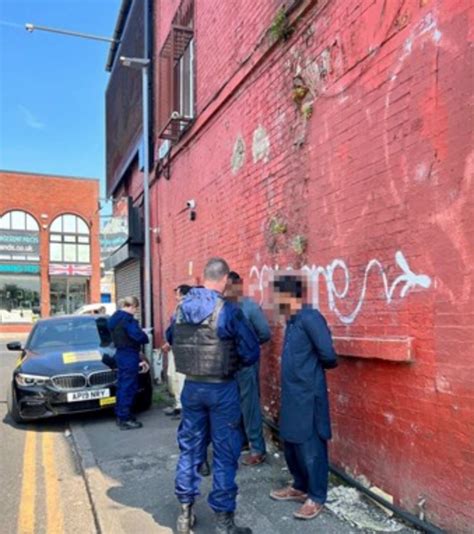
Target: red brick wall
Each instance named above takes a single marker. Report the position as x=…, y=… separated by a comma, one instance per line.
x=53, y=196
x=378, y=181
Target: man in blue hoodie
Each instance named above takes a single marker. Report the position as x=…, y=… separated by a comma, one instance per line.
x=128, y=338
x=211, y=340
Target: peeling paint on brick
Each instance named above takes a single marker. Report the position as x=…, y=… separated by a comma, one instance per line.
x=260, y=145
x=238, y=155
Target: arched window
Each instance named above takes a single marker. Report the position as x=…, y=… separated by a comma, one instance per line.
x=69, y=240
x=19, y=236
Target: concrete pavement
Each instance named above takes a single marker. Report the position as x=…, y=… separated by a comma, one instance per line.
x=131, y=479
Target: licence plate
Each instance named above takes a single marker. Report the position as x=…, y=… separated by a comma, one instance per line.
x=77, y=396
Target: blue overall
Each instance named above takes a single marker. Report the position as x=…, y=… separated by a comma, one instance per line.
x=211, y=411
x=128, y=360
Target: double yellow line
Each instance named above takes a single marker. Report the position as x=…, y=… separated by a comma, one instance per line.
x=27, y=506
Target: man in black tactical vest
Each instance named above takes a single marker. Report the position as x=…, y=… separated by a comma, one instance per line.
x=211, y=340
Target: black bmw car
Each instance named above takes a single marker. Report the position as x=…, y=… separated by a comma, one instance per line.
x=67, y=366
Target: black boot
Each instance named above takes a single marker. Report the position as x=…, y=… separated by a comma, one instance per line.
x=186, y=519
x=205, y=469
x=225, y=524
x=130, y=424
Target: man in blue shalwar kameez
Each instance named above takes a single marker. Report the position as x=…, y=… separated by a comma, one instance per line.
x=304, y=418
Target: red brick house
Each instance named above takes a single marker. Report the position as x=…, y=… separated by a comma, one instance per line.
x=334, y=137
x=49, y=246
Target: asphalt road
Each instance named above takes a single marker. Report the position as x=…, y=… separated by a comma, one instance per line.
x=42, y=490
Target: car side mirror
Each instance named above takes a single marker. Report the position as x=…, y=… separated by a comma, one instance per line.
x=14, y=345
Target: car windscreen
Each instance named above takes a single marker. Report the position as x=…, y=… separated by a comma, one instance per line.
x=72, y=334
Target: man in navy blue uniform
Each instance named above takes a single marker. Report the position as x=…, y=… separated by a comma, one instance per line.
x=304, y=416
x=211, y=340
x=128, y=338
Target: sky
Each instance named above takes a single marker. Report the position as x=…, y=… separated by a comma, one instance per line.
x=52, y=87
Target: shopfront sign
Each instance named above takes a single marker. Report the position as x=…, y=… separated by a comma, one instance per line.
x=69, y=269
x=19, y=243
x=124, y=226
x=19, y=268
x=116, y=230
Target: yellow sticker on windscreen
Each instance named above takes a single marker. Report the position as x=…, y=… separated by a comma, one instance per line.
x=69, y=357
x=107, y=401
x=83, y=356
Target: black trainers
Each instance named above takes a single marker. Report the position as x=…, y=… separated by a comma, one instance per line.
x=226, y=525
x=130, y=424
x=173, y=412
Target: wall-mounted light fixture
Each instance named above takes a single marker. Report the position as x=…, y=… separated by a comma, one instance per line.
x=191, y=206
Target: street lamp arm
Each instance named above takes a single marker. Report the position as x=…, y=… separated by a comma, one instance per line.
x=31, y=27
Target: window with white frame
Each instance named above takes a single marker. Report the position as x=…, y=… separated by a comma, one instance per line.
x=19, y=236
x=69, y=240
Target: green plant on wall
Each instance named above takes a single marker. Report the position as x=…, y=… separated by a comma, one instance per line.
x=278, y=226
x=299, y=244
x=307, y=110
x=280, y=28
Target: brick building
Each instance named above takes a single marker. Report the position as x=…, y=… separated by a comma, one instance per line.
x=333, y=137
x=49, y=246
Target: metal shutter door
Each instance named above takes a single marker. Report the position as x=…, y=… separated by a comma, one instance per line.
x=128, y=282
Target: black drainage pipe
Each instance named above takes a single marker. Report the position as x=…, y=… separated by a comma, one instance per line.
x=410, y=518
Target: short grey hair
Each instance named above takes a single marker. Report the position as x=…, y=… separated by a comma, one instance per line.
x=216, y=269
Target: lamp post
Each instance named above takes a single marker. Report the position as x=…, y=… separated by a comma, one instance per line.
x=144, y=65
x=32, y=27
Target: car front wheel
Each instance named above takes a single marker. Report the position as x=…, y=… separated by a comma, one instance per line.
x=144, y=398
x=12, y=405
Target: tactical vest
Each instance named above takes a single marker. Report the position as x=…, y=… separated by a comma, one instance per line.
x=199, y=351
x=121, y=339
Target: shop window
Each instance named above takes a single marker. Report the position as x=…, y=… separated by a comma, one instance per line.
x=69, y=240
x=19, y=298
x=19, y=237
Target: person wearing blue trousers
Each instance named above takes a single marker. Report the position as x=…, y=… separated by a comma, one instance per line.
x=304, y=415
x=248, y=377
x=211, y=339
x=128, y=338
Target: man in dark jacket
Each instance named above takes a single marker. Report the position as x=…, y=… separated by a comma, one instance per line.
x=128, y=338
x=211, y=340
x=304, y=417
x=248, y=377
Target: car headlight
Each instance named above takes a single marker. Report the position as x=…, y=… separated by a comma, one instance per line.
x=23, y=379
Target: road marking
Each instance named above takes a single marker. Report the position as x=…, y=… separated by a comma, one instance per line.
x=26, y=512
x=55, y=520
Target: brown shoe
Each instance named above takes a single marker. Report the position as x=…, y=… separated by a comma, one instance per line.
x=253, y=458
x=288, y=494
x=309, y=510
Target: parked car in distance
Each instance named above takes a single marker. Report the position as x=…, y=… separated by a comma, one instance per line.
x=67, y=366
x=100, y=308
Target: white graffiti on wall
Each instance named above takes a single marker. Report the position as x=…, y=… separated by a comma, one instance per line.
x=407, y=280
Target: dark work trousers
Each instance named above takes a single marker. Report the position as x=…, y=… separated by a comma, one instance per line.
x=127, y=384
x=247, y=378
x=308, y=463
x=212, y=411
